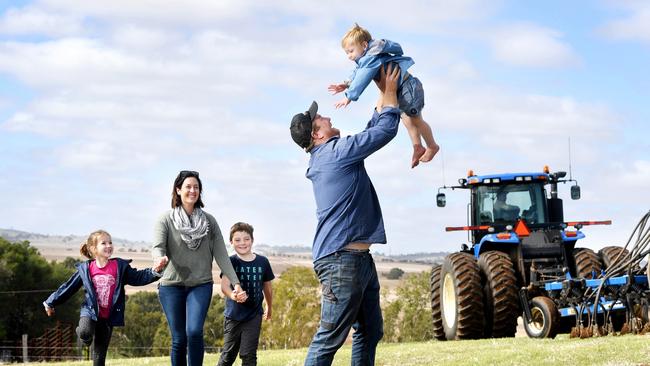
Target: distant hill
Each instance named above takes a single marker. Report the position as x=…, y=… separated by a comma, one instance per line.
x=425, y=258
x=74, y=241
x=63, y=240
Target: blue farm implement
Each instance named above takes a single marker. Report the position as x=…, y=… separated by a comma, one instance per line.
x=523, y=261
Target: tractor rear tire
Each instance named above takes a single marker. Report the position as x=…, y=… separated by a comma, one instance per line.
x=500, y=294
x=610, y=255
x=461, y=297
x=546, y=319
x=438, y=331
x=588, y=264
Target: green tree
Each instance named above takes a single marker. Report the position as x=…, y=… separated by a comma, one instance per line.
x=26, y=279
x=395, y=273
x=162, y=342
x=391, y=314
x=143, y=315
x=213, y=329
x=407, y=317
x=70, y=263
x=296, y=310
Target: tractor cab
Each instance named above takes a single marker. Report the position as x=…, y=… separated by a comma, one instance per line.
x=499, y=202
x=517, y=203
x=504, y=203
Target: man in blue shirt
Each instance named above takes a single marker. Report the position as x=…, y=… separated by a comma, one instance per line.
x=349, y=221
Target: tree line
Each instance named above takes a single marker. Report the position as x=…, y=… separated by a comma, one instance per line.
x=26, y=279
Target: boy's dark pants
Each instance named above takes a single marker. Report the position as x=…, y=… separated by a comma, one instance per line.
x=101, y=332
x=242, y=337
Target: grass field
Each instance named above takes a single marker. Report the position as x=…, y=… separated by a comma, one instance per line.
x=611, y=350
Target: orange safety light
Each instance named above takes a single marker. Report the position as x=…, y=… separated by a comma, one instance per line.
x=503, y=236
x=546, y=169
x=571, y=234
x=522, y=229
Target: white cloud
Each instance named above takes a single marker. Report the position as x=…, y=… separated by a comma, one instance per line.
x=188, y=13
x=496, y=116
x=636, y=174
x=37, y=21
x=143, y=39
x=634, y=26
x=526, y=44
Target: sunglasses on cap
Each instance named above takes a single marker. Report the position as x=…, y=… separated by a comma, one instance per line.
x=185, y=173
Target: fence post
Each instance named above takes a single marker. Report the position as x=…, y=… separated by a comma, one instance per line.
x=25, y=355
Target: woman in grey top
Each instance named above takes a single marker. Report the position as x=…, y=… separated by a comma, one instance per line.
x=187, y=239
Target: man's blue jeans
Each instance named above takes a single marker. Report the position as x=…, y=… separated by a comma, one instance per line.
x=350, y=299
x=186, y=309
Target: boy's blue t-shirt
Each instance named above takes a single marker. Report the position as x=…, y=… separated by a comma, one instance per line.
x=252, y=276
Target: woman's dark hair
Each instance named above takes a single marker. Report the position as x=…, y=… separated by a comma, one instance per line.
x=178, y=183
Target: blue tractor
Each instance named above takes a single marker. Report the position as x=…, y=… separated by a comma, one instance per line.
x=523, y=261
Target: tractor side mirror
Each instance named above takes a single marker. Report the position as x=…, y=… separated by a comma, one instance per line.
x=575, y=192
x=441, y=200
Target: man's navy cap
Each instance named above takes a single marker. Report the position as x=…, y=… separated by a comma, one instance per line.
x=301, y=126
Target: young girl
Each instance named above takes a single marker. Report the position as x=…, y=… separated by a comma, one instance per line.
x=103, y=279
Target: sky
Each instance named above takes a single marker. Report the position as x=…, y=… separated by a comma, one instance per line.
x=102, y=103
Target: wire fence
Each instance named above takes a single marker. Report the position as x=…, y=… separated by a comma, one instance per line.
x=57, y=343
x=61, y=343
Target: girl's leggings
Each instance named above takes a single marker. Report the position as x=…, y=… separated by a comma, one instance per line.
x=100, y=331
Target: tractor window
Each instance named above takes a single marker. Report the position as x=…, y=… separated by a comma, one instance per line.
x=507, y=203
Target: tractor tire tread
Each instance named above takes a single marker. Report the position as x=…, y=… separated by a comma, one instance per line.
x=587, y=263
x=469, y=296
x=438, y=330
x=500, y=291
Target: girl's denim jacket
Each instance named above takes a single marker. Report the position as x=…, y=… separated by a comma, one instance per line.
x=126, y=275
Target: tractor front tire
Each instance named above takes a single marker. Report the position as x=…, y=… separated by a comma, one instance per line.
x=461, y=297
x=588, y=264
x=500, y=294
x=436, y=313
x=545, y=318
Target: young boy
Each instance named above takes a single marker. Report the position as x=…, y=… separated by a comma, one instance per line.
x=243, y=321
x=369, y=55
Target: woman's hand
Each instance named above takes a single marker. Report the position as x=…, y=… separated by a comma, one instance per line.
x=239, y=294
x=160, y=263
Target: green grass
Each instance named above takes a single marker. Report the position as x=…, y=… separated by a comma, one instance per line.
x=610, y=351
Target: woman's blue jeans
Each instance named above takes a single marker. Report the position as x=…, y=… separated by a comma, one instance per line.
x=350, y=299
x=186, y=309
